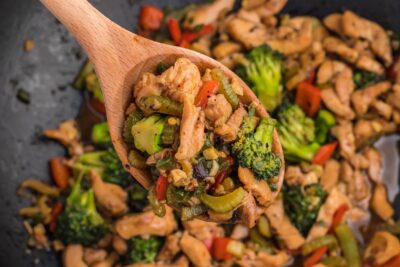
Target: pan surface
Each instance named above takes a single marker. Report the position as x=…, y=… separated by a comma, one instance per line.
x=46, y=72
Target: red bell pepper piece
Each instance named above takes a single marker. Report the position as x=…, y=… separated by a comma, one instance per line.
x=150, y=17
x=219, y=248
x=315, y=257
x=175, y=30
x=324, y=153
x=60, y=172
x=55, y=213
x=308, y=97
x=209, y=88
x=190, y=35
x=97, y=106
x=338, y=216
x=161, y=187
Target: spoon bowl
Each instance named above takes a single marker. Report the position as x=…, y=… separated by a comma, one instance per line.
x=120, y=58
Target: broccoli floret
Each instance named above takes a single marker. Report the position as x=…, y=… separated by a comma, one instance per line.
x=253, y=148
x=107, y=163
x=144, y=250
x=80, y=222
x=324, y=122
x=147, y=134
x=101, y=134
x=302, y=206
x=364, y=79
x=297, y=134
x=263, y=73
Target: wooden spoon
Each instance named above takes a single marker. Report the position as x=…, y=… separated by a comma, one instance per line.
x=120, y=57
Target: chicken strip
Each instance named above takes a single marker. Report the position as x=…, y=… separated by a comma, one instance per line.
x=259, y=188
x=362, y=99
x=229, y=130
x=208, y=13
x=330, y=176
x=218, y=109
x=195, y=250
x=344, y=133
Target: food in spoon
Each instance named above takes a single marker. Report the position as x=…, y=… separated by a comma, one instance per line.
x=190, y=130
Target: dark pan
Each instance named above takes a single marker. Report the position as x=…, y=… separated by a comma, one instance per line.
x=46, y=73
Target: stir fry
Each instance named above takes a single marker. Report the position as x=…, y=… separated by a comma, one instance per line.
x=331, y=87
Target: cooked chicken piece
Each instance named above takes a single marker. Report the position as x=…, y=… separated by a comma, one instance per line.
x=192, y=134
x=313, y=56
x=279, y=221
x=259, y=188
x=248, y=211
x=344, y=133
x=240, y=231
x=92, y=256
x=359, y=161
x=201, y=230
x=383, y=247
x=251, y=4
x=202, y=45
x=195, y=250
x=364, y=131
x=374, y=164
x=110, y=197
x=367, y=63
x=330, y=176
x=181, y=80
x=396, y=117
x=249, y=33
x=181, y=262
x=218, y=109
x=362, y=188
x=229, y=130
x=232, y=60
x=148, y=85
x=111, y=259
x=383, y=109
x=380, y=203
x=208, y=13
x=294, y=175
x=170, y=248
x=220, y=217
x=362, y=99
x=394, y=97
x=333, y=103
x=67, y=134
x=298, y=40
x=329, y=70
x=337, y=46
x=224, y=49
x=325, y=215
x=119, y=245
x=73, y=256
x=270, y=8
x=334, y=23
x=146, y=223
x=262, y=259
x=356, y=27
x=106, y=241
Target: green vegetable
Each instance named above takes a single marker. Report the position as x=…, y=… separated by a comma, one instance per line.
x=324, y=122
x=131, y=120
x=161, y=67
x=170, y=132
x=144, y=250
x=167, y=163
x=157, y=207
x=80, y=222
x=349, y=246
x=334, y=261
x=147, y=134
x=302, y=207
x=364, y=79
x=107, y=164
x=80, y=80
x=260, y=240
x=137, y=197
x=327, y=240
x=254, y=149
x=263, y=73
x=225, y=87
x=189, y=213
x=263, y=227
x=297, y=134
x=101, y=134
x=178, y=197
x=224, y=203
x=93, y=86
x=136, y=159
x=161, y=104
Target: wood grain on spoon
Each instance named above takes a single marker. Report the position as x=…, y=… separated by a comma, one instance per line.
x=120, y=57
